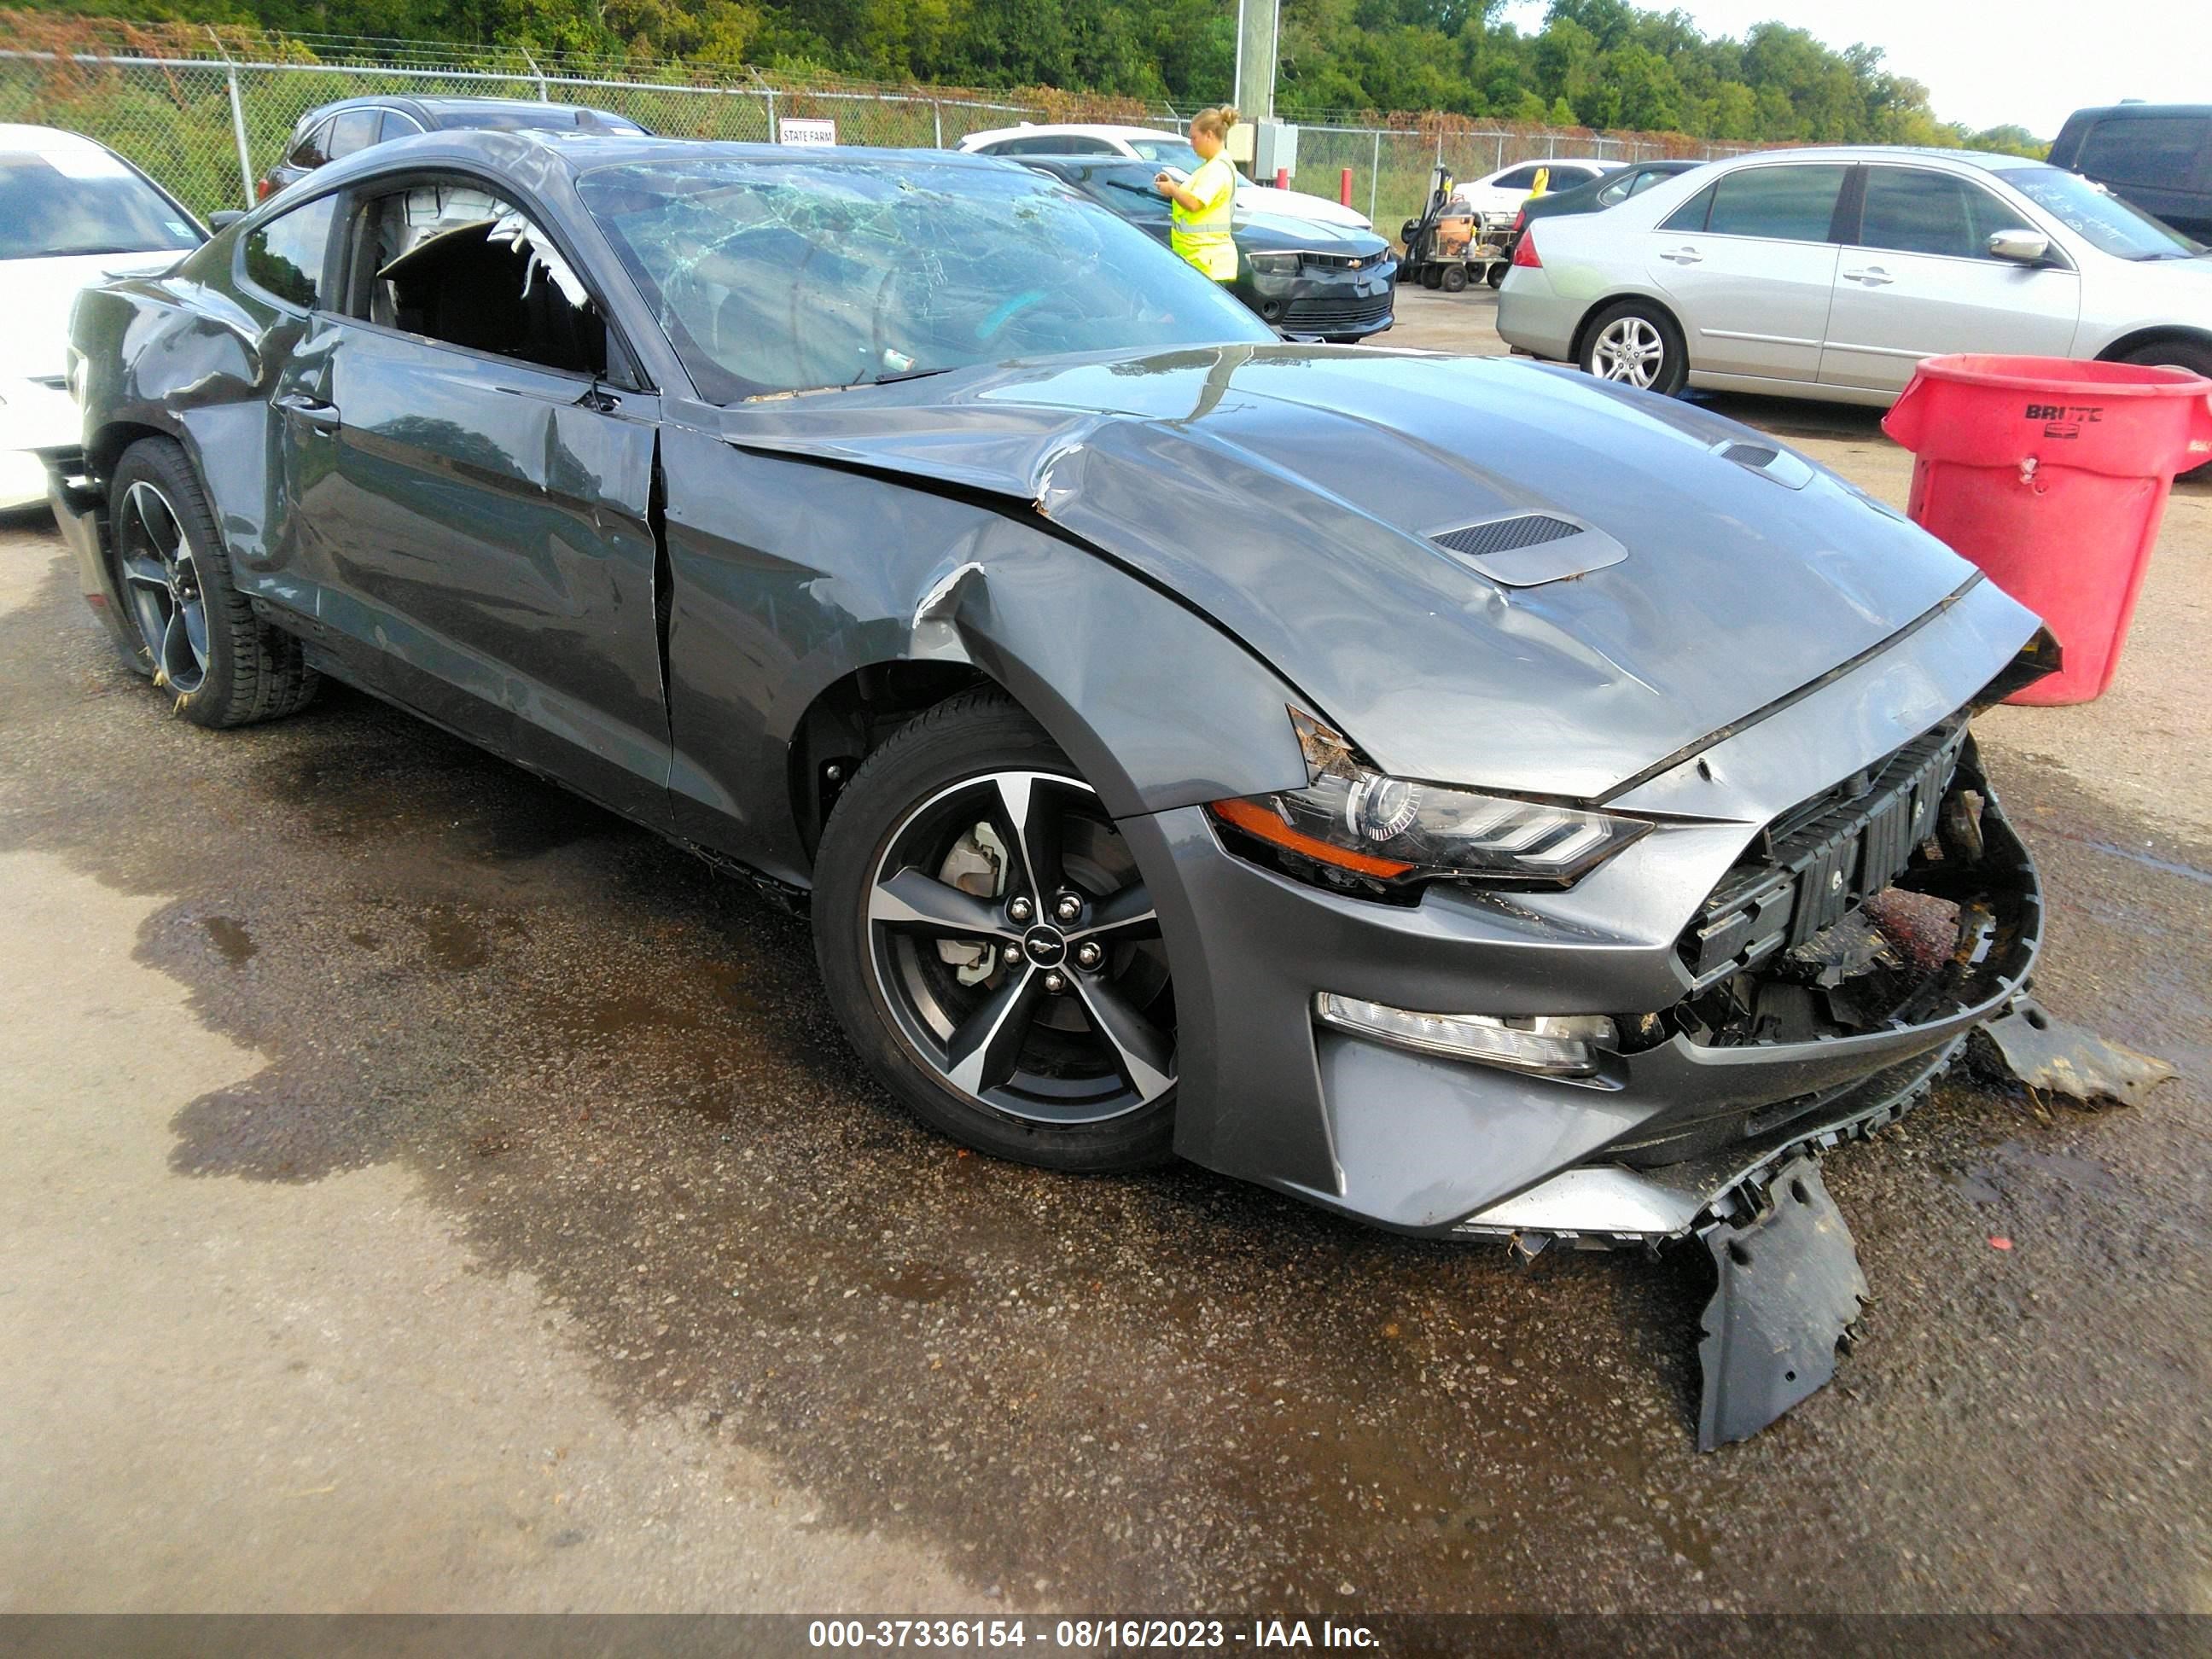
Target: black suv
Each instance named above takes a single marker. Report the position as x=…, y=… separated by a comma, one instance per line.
x=2159, y=156
x=331, y=130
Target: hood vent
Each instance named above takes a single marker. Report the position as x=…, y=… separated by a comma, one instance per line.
x=1505, y=535
x=1778, y=464
x=1529, y=548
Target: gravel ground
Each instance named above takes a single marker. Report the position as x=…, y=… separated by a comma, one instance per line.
x=435, y=1193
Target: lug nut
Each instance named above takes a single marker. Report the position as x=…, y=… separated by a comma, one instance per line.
x=1056, y=983
x=1010, y=953
x=1020, y=909
x=1087, y=955
x=1069, y=906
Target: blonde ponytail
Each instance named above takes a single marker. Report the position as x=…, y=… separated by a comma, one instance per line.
x=1217, y=121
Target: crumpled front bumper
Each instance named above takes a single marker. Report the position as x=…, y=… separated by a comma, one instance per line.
x=1448, y=1148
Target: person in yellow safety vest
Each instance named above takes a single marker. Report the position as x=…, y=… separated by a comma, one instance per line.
x=1204, y=203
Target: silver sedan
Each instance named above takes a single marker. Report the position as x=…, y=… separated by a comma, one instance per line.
x=1829, y=273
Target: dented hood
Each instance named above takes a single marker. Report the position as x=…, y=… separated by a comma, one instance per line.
x=1291, y=493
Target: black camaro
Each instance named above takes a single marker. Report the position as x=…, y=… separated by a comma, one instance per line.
x=1309, y=280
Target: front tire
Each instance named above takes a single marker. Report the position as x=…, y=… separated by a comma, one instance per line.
x=1495, y=277
x=1455, y=279
x=990, y=948
x=200, y=640
x=1636, y=344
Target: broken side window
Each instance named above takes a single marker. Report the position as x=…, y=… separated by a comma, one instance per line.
x=451, y=262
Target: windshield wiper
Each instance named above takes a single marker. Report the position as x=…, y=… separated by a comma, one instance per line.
x=891, y=375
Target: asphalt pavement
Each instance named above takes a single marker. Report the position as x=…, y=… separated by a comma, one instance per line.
x=428, y=1192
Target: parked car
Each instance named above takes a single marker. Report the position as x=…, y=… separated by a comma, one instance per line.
x=1505, y=190
x=1592, y=195
x=1595, y=195
x=330, y=132
x=72, y=211
x=1156, y=149
x=2159, y=156
x=1830, y=273
x=1307, y=279
x=912, y=534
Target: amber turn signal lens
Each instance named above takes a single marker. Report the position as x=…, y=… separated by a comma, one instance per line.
x=1255, y=819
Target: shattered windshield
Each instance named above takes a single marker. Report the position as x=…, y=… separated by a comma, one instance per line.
x=774, y=277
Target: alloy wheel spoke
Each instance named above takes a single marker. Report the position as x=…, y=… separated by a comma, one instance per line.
x=178, y=665
x=1126, y=915
x=912, y=899
x=142, y=572
x=1139, y=1048
x=981, y=1053
x=1033, y=818
x=163, y=533
x=194, y=612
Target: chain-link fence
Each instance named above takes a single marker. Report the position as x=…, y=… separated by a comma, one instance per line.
x=208, y=124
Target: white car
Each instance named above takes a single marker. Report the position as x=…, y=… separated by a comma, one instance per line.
x=1505, y=189
x=1171, y=150
x=72, y=212
x=1830, y=273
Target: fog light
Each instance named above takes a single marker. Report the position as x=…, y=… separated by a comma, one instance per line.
x=1549, y=1045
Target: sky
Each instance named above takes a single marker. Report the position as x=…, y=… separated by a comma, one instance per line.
x=1989, y=62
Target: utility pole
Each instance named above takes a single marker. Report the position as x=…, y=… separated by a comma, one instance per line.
x=1258, y=24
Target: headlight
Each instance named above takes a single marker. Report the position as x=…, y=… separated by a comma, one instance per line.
x=1354, y=827
x=1274, y=264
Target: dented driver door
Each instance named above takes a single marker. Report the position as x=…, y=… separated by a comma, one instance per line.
x=485, y=530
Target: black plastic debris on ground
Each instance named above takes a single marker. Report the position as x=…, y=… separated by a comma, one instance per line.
x=2033, y=1045
x=1790, y=1289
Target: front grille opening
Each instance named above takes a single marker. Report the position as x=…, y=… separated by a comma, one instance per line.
x=1505, y=535
x=1846, y=910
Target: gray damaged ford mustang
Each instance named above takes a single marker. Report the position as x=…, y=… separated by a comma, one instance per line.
x=1476, y=799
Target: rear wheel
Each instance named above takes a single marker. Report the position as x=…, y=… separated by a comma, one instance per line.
x=199, y=639
x=1495, y=277
x=1636, y=344
x=1455, y=279
x=2191, y=355
x=1433, y=275
x=990, y=946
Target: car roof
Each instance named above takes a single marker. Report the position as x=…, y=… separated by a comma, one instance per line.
x=1075, y=129
x=576, y=151
x=435, y=106
x=22, y=136
x=2126, y=111
x=1987, y=161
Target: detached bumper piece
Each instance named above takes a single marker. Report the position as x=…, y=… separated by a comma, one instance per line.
x=1789, y=1290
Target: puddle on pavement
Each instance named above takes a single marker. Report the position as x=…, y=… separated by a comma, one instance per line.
x=231, y=939
x=616, y=1070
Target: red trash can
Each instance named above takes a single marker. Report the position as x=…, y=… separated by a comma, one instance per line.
x=2052, y=474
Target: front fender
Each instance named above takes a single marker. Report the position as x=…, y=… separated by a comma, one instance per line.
x=789, y=575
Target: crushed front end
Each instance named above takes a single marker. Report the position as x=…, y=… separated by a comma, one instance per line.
x=1834, y=971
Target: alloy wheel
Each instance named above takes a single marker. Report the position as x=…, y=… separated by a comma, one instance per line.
x=161, y=581
x=1018, y=952
x=1630, y=349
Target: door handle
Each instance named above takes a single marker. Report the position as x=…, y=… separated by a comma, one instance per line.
x=1684, y=256
x=1873, y=276
x=310, y=412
